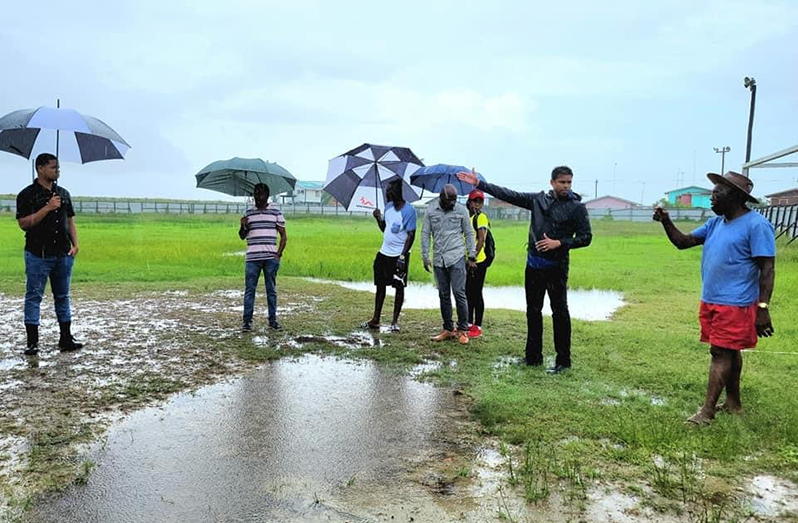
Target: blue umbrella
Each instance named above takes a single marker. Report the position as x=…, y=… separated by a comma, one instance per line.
x=432, y=178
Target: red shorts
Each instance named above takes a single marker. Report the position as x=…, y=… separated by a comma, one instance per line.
x=728, y=326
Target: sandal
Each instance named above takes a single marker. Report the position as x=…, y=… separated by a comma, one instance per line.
x=394, y=327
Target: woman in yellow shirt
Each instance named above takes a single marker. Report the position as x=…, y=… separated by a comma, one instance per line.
x=475, y=279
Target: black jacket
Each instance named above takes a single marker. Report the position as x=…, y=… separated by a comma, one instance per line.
x=565, y=220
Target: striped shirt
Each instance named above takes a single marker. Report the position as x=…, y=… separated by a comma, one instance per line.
x=262, y=232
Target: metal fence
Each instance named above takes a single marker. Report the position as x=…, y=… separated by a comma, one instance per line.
x=784, y=218
x=643, y=214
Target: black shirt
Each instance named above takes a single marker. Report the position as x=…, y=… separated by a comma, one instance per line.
x=49, y=237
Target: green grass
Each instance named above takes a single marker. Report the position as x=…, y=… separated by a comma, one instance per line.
x=598, y=419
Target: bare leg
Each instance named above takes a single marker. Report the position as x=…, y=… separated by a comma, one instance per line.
x=397, y=303
x=733, y=405
x=379, y=299
x=720, y=371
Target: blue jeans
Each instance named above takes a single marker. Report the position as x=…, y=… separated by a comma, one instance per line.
x=251, y=277
x=452, y=280
x=38, y=269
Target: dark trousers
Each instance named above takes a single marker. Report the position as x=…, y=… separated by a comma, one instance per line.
x=537, y=283
x=475, y=281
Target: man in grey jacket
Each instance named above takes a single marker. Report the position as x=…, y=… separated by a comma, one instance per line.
x=447, y=223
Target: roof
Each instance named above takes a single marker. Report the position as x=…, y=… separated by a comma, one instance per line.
x=783, y=193
x=613, y=197
x=309, y=185
x=699, y=189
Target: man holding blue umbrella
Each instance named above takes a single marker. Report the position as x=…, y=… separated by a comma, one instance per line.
x=45, y=213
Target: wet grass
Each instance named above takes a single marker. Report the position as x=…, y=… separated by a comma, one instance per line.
x=595, y=424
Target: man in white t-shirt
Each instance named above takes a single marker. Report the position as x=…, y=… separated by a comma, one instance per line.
x=390, y=264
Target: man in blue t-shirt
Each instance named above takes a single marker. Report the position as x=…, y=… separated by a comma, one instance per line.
x=390, y=265
x=737, y=272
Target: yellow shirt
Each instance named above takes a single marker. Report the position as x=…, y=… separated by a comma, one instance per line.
x=482, y=223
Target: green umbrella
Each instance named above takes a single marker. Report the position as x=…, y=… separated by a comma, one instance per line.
x=238, y=176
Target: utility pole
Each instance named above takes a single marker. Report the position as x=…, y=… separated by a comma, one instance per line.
x=596, y=189
x=722, y=151
x=614, y=168
x=749, y=83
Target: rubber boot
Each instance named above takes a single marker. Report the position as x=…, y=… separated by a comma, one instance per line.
x=67, y=342
x=33, y=340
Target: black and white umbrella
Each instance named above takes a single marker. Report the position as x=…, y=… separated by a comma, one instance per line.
x=358, y=178
x=71, y=136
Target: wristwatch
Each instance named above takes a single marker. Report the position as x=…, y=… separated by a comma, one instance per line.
x=762, y=305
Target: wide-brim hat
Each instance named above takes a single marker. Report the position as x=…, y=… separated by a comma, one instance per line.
x=736, y=181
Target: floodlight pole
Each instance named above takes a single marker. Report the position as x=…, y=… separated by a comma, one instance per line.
x=749, y=83
x=722, y=151
x=57, y=106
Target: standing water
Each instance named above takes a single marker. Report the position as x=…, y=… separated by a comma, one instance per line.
x=290, y=442
x=589, y=305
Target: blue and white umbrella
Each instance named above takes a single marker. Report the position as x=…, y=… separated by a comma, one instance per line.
x=432, y=178
x=358, y=178
x=71, y=136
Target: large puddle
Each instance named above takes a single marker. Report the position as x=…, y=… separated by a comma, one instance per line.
x=589, y=305
x=314, y=439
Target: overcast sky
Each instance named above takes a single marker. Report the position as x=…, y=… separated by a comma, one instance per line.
x=629, y=95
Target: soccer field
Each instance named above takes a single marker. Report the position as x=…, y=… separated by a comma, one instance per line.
x=616, y=417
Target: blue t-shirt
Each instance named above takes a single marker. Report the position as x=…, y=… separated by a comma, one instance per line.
x=729, y=273
x=397, y=225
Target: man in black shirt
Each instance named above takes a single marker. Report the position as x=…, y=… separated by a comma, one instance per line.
x=45, y=213
x=559, y=223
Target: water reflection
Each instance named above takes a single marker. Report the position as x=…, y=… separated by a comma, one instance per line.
x=264, y=445
x=590, y=305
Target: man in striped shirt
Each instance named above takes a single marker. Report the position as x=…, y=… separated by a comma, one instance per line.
x=260, y=226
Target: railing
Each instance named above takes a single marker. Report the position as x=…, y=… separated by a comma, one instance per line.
x=784, y=219
x=643, y=214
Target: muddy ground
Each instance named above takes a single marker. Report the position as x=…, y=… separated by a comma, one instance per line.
x=143, y=347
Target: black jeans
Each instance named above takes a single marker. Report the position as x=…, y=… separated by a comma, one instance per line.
x=538, y=282
x=475, y=281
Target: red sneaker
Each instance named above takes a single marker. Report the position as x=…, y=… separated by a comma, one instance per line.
x=475, y=331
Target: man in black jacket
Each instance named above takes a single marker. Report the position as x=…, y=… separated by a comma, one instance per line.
x=559, y=223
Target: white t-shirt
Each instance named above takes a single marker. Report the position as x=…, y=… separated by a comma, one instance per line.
x=397, y=225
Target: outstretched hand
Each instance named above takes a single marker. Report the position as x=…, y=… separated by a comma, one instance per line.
x=660, y=214
x=468, y=177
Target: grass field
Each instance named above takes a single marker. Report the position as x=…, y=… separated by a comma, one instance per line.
x=617, y=416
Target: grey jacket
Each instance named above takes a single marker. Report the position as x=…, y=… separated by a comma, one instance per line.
x=451, y=231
